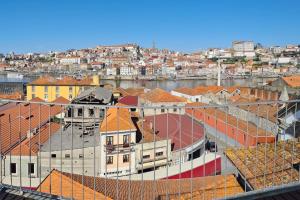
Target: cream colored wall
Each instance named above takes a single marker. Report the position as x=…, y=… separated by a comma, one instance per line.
x=86, y=165
x=23, y=165
x=118, y=164
x=151, y=111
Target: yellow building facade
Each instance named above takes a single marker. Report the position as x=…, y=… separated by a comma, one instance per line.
x=49, y=88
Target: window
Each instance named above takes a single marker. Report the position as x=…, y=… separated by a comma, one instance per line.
x=162, y=109
x=159, y=153
x=30, y=168
x=125, y=158
x=67, y=156
x=71, y=89
x=101, y=114
x=53, y=155
x=13, y=168
x=46, y=89
x=70, y=112
x=146, y=156
x=33, y=96
x=125, y=139
x=109, y=140
x=70, y=97
x=33, y=89
x=80, y=155
x=46, y=97
x=91, y=112
x=174, y=108
x=57, y=91
x=109, y=160
x=79, y=112
x=197, y=100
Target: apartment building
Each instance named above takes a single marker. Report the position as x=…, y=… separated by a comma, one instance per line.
x=49, y=88
x=243, y=48
x=86, y=110
x=70, y=60
x=117, y=142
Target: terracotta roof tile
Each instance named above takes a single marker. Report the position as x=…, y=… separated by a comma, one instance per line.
x=176, y=127
x=67, y=80
x=59, y=184
x=117, y=119
x=250, y=128
x=158, y=95
x=17, y=120
x=30, y=146
x=14, y=96
x=129, y=100
x=292, y=81
x=61, y=100
x=147, y=132
x=265, y=165
x=211, y=187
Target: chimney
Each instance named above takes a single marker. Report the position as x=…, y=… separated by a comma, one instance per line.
x=29, y=134
x=151, y=125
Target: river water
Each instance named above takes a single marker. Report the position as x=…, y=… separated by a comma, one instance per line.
x=172, y=84
x=164, y=84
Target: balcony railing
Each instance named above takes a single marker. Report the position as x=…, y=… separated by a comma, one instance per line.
x=119, y=147
x=201, y=152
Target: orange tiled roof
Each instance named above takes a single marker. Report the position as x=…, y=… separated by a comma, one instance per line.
x=147, y=132
x=14, y=95
x=17, y=120
x=250, y=128
x=61, y=100
x=59, y=184
x=210, y=88
x=117, y=119
x=188, y=91
x=67, y=80
x=208, y=187
x=30, y=146
x=158, y=95
x=131, y=91
x=292, y=81
x=232, y=89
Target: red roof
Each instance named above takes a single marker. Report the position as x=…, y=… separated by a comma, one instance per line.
x=178, y=128
x=17, y=120
x=129, y=100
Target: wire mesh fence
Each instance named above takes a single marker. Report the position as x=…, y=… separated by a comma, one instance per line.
x=195, y=151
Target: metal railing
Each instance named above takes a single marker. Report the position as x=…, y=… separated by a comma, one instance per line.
x=194, y=151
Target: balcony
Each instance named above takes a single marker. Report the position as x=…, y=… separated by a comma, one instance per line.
x=128, y=147
x=250, y=161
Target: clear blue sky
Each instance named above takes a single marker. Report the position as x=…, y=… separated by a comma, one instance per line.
x=185, y=25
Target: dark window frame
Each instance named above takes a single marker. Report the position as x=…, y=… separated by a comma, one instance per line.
x=13, y=168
